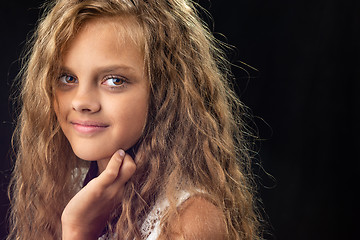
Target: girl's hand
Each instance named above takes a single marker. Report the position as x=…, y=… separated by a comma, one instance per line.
x=85, y=216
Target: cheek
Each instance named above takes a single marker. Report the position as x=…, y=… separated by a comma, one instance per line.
x=141, y=114
x=56, y=107
x=130, y=120
x=132, y=117
x=59, y=104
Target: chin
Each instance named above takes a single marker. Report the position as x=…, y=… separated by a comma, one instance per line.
x=93, y=155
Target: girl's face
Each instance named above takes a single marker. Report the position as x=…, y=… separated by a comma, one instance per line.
x=101, y=98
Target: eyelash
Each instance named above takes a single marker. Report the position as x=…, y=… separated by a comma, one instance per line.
x=63, y=81
x=121, y=79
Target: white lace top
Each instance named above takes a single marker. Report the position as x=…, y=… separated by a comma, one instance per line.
x=150, y=229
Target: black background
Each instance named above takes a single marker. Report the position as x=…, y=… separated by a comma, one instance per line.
x=304, y=97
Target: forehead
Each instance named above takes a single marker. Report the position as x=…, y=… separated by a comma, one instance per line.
x=125, y=28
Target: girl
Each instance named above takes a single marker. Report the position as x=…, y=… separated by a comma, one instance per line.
x=134, y=93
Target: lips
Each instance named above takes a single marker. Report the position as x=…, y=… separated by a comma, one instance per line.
x=88, y=127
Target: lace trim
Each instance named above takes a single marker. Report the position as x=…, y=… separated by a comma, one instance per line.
x=150, y=229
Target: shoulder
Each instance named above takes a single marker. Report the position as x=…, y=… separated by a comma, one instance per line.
x=199, y=219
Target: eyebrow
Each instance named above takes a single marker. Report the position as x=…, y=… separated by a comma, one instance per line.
x=107, y=69
x=103, y=69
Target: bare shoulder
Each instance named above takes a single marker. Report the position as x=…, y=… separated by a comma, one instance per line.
x=200, y=219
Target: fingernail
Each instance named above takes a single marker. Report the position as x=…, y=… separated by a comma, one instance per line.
x=121, y=152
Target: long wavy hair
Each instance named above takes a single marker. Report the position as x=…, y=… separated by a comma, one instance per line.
x=195, y=138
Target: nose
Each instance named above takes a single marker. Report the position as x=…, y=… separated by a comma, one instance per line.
x=86, y=101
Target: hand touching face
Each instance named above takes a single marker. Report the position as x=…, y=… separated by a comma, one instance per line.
x=85, y=216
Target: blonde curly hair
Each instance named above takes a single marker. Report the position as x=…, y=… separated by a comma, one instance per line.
x=195, y=138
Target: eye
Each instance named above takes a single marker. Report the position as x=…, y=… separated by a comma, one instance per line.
x=114, y=81
x=67, y=79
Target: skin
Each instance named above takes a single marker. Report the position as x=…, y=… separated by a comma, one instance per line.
x=85, y=216
x=98, y=119
x=199, y=220
x=101, y=99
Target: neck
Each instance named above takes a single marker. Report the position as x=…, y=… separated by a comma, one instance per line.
x=102, y=164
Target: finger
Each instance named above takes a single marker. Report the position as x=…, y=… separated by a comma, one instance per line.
x=111, y=172
x=127, y=169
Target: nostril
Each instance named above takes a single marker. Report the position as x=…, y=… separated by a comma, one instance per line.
x=85, y=105
x=86, y=109
x=86, y=99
